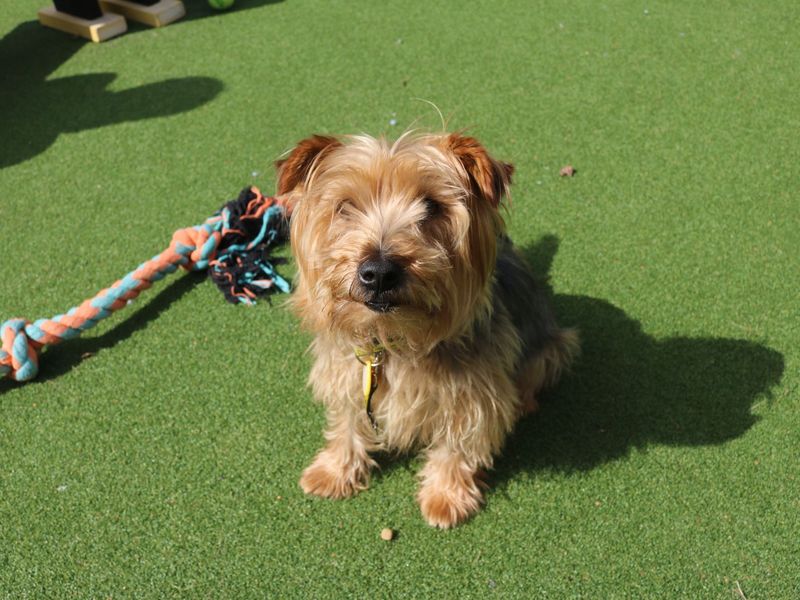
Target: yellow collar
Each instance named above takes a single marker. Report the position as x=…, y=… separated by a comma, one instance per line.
x=372, y=360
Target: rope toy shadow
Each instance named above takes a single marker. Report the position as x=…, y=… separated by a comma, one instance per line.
x=233, y=246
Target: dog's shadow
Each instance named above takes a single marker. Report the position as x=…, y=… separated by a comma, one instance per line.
x=629, y=390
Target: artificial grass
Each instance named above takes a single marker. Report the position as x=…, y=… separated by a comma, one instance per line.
x=159, y=455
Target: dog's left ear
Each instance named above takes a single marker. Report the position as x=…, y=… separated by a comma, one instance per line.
x=490, y=178
x=294, y=169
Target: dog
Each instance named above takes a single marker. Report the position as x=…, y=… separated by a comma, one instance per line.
x=431, y=333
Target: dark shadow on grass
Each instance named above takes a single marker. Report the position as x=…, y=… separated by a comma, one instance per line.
x=36, y=109
x=629, y=390
x=60, y=359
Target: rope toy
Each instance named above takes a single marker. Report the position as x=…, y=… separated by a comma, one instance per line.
x=233, y=245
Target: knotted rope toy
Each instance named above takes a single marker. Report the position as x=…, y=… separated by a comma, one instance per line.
x=233, y=245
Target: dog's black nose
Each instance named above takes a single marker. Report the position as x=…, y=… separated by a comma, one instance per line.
x=380, y=275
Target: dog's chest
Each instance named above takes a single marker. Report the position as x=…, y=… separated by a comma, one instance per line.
x=410, y=404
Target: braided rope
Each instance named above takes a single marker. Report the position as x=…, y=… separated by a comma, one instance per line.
x=192, y=248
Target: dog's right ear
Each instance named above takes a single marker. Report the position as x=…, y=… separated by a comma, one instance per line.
x=294, y=169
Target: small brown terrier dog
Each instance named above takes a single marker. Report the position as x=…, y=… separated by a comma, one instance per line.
x=431, y=332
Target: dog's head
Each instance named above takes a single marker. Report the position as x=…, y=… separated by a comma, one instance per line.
x=394, y=242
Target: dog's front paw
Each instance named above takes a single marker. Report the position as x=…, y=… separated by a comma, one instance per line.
x=329, y=478
x=446, y=506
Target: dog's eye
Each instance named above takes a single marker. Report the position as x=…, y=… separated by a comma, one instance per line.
x=344, y=206
x=432, y=208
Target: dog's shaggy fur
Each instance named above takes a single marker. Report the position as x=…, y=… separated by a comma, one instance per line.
x=401, y=246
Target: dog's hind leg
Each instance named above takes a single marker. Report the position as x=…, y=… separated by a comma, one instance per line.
x=544, y=368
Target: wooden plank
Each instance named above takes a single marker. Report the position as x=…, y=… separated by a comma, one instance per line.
x=159, y=14
x=97, y=30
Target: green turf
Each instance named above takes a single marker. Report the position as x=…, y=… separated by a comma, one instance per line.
x=164, y=463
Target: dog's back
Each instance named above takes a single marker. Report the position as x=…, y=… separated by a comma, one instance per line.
x=547, y=349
